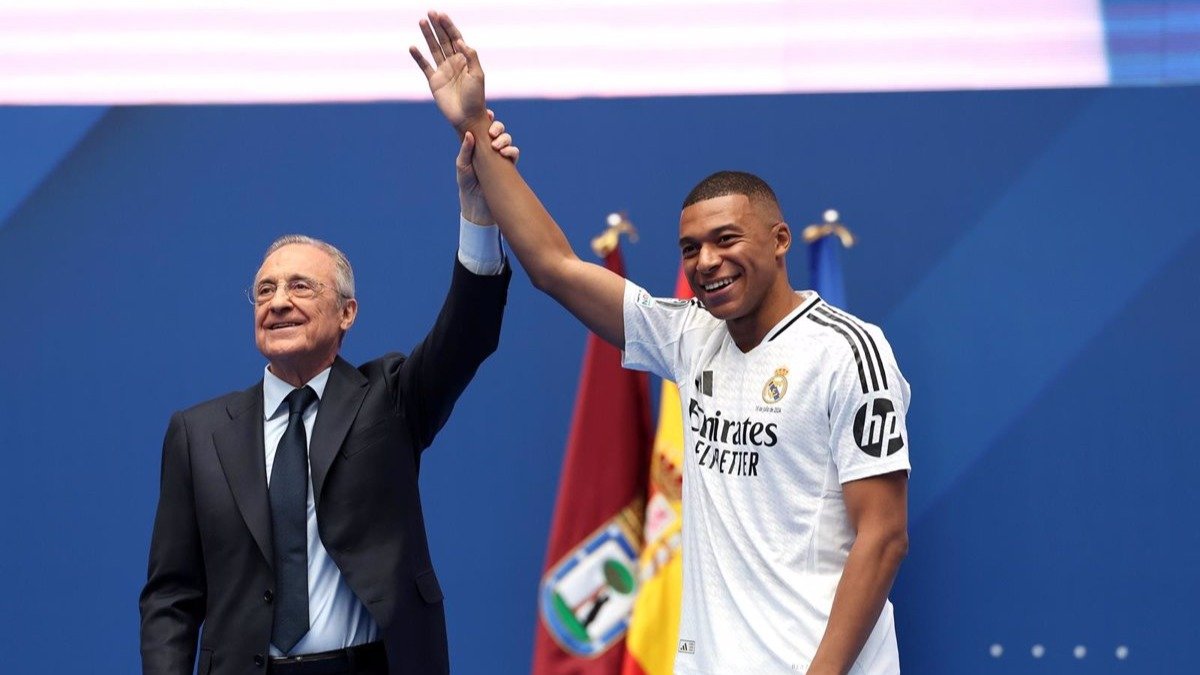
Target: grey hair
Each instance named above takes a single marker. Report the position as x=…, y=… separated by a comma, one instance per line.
x=343, y=273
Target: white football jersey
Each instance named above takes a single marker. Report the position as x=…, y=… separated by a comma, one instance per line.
x=770, y=437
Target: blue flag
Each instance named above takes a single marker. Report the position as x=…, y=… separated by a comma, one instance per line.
x=825, y=244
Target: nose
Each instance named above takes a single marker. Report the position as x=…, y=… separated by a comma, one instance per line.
x=708, y=259
x=281, y=300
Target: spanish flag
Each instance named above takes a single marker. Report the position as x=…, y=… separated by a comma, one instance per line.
x=590, y=579
x=654, y=627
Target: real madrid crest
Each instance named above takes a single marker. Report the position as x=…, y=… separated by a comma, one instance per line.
x=776, y=387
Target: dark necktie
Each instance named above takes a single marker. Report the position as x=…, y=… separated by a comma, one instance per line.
x=289, y=523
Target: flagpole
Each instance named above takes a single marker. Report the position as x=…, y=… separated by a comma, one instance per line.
x=831, y=226
x=606, y=242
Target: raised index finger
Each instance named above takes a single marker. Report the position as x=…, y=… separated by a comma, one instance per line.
x=421, y=62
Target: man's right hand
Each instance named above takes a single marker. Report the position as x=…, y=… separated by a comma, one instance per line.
x=591, y=292
x=470, y=196
x=457, y=81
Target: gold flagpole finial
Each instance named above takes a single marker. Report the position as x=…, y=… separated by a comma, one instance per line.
x=618, y=224
x=831, y=225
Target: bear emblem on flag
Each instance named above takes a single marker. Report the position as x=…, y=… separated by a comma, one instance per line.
x=586, y=599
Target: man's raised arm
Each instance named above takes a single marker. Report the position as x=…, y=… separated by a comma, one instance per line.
x=590, y=292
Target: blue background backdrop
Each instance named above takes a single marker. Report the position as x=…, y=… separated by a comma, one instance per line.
x=1032, y=255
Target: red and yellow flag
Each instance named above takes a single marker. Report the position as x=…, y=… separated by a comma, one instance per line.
x=654, y=627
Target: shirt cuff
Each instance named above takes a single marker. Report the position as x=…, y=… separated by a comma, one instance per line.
x=479, y=248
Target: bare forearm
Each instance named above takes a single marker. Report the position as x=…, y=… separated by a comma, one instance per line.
x=590, y=292
x=529, y=229
x=870, y=571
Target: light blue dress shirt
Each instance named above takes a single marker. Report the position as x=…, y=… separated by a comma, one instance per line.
x=479, y=247
x=337, y=618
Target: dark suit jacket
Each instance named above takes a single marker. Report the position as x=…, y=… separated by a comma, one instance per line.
x=211, y=554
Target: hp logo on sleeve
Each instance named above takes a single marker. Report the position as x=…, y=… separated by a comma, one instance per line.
x=877, y=428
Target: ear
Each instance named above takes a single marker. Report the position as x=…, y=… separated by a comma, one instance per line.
x=349, y=313
x=783, y=238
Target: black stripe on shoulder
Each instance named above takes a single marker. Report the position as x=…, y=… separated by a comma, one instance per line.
x=799, y=314
x=858, y=361
x=857, y=332
x=871, y=340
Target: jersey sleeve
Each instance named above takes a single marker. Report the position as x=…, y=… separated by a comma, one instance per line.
x=868, y=406
x=654, y=329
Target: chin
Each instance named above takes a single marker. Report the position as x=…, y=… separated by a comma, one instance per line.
x=730, y=311
x=275, y=352
x=723, y=311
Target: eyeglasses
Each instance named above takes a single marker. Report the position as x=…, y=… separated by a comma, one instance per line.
x=300, y=287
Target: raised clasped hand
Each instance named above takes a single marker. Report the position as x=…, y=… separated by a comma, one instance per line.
x=457, y=80
x=470, y=196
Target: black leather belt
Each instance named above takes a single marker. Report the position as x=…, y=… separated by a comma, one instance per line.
x=367, y=659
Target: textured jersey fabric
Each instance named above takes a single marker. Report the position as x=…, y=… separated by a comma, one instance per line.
x=770, y=437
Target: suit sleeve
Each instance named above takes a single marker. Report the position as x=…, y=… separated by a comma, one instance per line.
x=173, y=600
x=466, y=332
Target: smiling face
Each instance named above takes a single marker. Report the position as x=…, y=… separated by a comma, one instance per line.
x=301, y=336
x=733, y=248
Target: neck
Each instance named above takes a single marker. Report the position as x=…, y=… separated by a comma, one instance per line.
x=298, y=374
x=748, y=331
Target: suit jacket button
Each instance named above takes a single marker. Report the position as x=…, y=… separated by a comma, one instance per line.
x=259, y=660
x=268, y=596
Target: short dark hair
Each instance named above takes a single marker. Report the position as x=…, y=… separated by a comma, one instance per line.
x=724, y=183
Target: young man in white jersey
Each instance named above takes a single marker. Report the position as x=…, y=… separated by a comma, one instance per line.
x=796, y=457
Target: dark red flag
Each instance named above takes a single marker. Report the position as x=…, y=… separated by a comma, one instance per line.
x=590, y=578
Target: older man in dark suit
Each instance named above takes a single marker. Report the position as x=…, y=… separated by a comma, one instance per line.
x=289, y=520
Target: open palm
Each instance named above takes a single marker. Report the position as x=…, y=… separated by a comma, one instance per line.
x=457, y=81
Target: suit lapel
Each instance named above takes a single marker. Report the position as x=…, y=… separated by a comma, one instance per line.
x=344, y=394
x=240, y=448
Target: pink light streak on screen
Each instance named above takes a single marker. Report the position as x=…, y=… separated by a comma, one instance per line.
x=169, y=51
